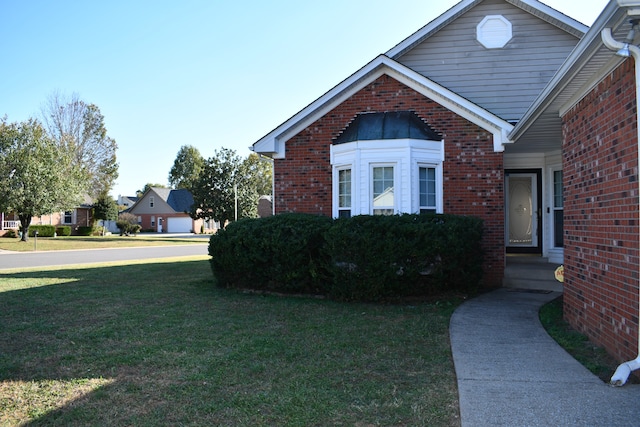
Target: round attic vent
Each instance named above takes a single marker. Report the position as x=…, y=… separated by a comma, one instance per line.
x=494, y=31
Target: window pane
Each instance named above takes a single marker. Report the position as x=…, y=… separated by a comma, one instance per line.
x=383, y=191
x=557, y=189
x=344, y=188
x=427, y=189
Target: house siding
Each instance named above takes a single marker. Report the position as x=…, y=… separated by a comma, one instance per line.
x=473, y=172
x=600, y=166
x=504, y=81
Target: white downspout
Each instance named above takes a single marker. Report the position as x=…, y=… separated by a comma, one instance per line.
x=623, y=371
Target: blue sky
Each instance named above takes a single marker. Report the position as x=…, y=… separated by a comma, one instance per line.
x=206, y=73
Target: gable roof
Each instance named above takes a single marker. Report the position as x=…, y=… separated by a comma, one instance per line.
x=179, y=200
x=273, y=144
x=534, y=7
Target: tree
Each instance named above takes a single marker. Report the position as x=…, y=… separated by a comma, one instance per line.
x=147, y=186
x=227, y=179
x=186, y=168
x=79, y=127
x=105, y=208
x=37, y=176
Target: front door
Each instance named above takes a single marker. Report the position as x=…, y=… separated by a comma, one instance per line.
x=523, y=214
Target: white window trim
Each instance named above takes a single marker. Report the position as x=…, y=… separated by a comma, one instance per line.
x=396, y=187
x=439, y=185
x=406, y=155
x=73, y=217
x=336, y=189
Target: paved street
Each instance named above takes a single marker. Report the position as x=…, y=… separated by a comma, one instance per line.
x=42, y=259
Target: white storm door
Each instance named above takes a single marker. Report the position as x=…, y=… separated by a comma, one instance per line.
x=522, y=210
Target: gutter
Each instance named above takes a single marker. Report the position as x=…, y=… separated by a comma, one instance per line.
x=621, y=375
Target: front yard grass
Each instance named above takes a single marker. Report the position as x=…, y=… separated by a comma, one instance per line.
x=96, y=242
x=157, y=344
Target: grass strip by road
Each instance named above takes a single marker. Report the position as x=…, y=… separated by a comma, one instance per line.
x=95, y=242
x=158, y=344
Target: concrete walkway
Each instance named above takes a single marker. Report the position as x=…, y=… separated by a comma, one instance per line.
x=512, y=373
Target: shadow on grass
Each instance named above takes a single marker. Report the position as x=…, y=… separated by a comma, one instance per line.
x=158, y=344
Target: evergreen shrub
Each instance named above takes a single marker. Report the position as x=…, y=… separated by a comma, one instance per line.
x=43, y=230
x=364, y=258
x=380, y=257
x=85, y=231
x=281, y=253
x=63, y=230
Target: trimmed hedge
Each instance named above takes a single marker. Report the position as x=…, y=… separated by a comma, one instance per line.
x=281, y=253
x=364, y=258
x=43, y=230
x=383, y=257
x=86, y=230
x=63, y=230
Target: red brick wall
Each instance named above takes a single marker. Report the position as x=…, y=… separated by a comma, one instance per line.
x=473, y=173
x=600, y=166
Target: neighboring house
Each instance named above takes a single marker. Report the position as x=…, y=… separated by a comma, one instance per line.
x=503, y=109
x=8, y=221
x=81, y=216
x=166, y=211
x=126, y=201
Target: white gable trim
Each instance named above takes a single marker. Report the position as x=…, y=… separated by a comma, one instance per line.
x=534, y=7
x=273, y=144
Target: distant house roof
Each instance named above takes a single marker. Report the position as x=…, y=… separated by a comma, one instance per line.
x=390, y=125
x=179, y=200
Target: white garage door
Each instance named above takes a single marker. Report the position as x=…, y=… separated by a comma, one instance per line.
x=179, y=225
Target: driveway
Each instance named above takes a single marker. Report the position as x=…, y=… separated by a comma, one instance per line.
x=91, y=256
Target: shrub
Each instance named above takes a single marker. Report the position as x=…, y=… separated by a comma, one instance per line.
x=281, y=253
x=364, y=258
x=43, y=230
x=128, y=224
x=380, y=257
x=85, y=231
x=11, y=233
x=63, y=230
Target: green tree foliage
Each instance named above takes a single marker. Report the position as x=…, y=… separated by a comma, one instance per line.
x=105, y=208
x=79, y=127
x=37, y=176
x=186, y=168
x=147, y=186
x=227, y=179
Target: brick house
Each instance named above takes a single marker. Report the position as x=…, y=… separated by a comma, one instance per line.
x=503, y=109
x=457, y=88
x=81, y=216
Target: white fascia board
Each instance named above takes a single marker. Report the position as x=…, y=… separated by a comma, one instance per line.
x=580, y=55
x=551, y=12
x=465, y=5
x=455, y=103
x=431, y=27
x=273, y=144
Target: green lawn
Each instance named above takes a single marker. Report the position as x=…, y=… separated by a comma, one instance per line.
x=96, y=242
x=157, y=344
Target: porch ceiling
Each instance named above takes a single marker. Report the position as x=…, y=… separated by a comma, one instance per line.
x=540, y=129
